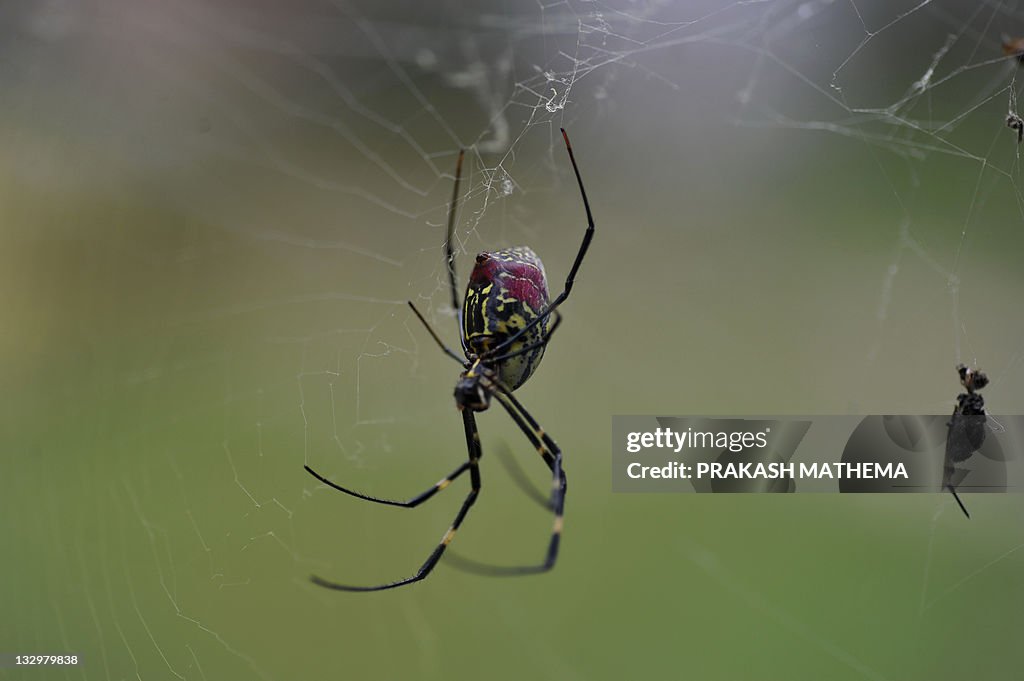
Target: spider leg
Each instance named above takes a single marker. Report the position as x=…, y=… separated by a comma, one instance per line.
x=571, y=278
x=546, y=447
x=437, y=339
x=473, y=445
x=552, y=456
x=449, y=248
x=515, y=471
x=411, y=503
x=532, y=346
x=587, y=235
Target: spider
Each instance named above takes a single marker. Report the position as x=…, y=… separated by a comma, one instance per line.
x=505, y=323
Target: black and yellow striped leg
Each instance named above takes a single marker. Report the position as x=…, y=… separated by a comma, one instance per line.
x=588, y=235
x=411, y=503
x=433, y=334
x=473, y=445
x=552, y=456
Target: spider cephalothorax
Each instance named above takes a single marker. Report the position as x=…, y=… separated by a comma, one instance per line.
x=471, y=389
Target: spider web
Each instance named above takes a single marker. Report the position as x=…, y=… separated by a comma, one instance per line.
x=215, y=214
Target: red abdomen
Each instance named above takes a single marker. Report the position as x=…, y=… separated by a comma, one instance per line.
x=507, y=290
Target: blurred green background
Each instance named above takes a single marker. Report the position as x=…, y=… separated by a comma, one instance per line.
x=212, y=215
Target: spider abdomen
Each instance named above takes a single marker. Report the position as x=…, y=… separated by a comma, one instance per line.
x=507, y=290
